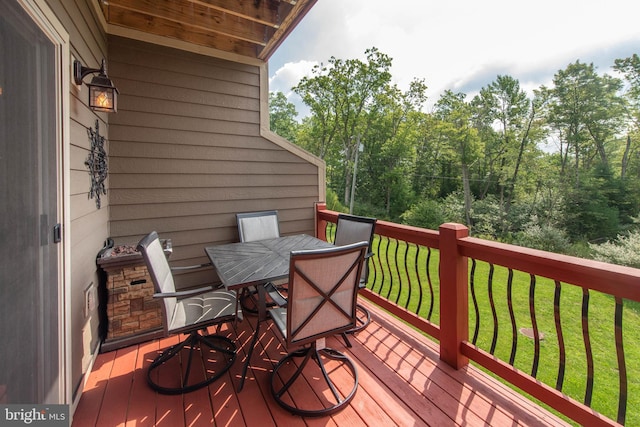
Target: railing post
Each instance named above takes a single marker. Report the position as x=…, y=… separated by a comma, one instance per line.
x=454, y=295
x=321, y=225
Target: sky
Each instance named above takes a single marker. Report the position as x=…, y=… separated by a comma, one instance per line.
x=459, y=45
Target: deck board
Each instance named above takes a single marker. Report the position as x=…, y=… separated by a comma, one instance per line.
x=402, y=382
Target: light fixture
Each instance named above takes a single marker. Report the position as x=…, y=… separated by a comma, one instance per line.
x=103, y=95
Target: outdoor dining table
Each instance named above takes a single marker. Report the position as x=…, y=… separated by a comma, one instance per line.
x=244, y=264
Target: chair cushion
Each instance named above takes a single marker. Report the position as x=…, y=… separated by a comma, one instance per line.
x=190, y=313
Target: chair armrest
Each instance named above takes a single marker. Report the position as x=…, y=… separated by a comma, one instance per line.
x=185, y=293
x=275, y=295
x=191, y=267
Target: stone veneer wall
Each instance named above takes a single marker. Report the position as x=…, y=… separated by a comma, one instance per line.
x=131, y=308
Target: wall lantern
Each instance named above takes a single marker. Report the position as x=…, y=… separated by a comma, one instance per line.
x=103, y=95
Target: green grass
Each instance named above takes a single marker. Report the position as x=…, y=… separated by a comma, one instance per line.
x=389, y=272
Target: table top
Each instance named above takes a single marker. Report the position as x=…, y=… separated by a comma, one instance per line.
x=252, y=263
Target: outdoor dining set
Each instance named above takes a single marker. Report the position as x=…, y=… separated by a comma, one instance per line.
x=306, y=286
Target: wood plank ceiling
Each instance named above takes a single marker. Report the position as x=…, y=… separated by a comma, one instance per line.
x=250, y=28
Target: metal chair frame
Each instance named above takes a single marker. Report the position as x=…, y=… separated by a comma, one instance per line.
x=182, y=303
x=303, y=324
x=245, y=235
x=363, y=317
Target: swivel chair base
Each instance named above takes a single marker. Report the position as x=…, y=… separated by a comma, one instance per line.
x=195, y=343
x=326, y=407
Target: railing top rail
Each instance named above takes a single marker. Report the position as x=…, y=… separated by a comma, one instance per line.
x=616, y=280
x=407, y=233
x=611, y=279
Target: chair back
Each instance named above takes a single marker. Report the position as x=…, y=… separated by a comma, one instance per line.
x=160, y=273
x=352, y=229
x=323, y=284
x=254, y=226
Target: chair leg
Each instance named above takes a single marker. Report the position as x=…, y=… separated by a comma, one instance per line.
x=249, y=301
x=195, y=343
x=363, y=318
x=312, y=353
x=346, y=340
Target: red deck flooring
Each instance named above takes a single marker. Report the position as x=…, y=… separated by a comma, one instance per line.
x=401, y=382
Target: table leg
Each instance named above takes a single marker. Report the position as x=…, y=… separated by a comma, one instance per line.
x=262, y=315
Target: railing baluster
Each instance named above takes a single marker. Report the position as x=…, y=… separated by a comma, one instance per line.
x=427, y=269
x=390, y=285
x=587, y=346
x=494, y=313
x=534, y=325
x=474, y=298
x=561, y=349
x=406, y=275
x=512, y=316
x=419, y=278
x=395, y=259
x=622, y=366
x=376, y=267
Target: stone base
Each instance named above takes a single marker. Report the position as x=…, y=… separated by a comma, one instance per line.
x=133, y=315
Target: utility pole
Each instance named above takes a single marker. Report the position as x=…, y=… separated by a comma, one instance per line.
x=353, y=177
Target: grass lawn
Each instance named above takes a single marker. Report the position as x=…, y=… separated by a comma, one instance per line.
x=389, y=272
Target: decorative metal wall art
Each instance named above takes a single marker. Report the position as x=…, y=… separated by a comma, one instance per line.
x=97, y=164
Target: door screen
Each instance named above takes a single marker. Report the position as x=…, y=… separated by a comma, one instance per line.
x=29, y=362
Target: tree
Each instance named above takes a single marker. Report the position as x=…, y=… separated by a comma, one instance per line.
x=630, y=70
x=585, y=110
x=282, y=116
x=464, y=145
x=389, y=144
x=504, y=110
x=339, y=95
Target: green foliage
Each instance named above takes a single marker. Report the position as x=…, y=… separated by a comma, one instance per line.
x=591, y=210
x=453, y=208
x=479, y=163
x=625, y=250
x=426, y=214
x=486, y=217
x=333, y=202
x=544, y=237
x=282, y=116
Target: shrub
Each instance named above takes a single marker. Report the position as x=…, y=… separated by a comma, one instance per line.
x=333, y=202
x=544, y=237
x=625, y=250
x=426, y=214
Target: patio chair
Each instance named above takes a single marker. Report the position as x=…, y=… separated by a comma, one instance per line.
x=188, y=312
x=254, y=226
x=351, y=229
x=323, y=284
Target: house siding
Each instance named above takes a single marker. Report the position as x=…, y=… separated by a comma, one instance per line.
x=187, y=153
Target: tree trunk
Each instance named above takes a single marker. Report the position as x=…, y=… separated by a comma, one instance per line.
x=625, y=158
x=467, y=194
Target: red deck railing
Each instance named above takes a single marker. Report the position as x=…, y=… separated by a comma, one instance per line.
x=412, y=265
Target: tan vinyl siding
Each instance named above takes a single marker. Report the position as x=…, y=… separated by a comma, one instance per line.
x=187, y=153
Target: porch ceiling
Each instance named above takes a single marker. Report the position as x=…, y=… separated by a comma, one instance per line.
x=250, y=28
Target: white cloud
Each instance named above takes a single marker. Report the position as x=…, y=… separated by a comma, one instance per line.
x=287, y=76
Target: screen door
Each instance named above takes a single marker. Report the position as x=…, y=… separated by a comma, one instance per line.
x=29, y=342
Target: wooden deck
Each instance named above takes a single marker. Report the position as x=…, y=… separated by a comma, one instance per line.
x=402, y=382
